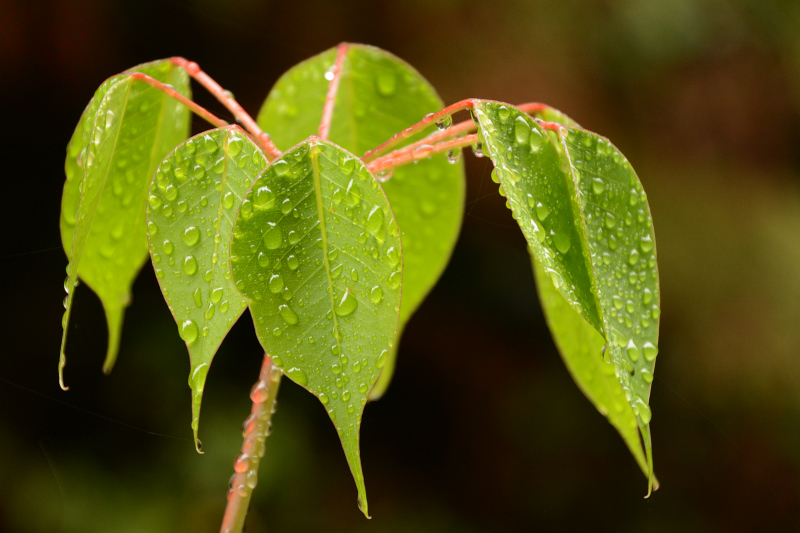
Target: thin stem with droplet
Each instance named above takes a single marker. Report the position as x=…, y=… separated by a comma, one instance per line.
x=256, y=429
x=226, y=99
x=408, y=155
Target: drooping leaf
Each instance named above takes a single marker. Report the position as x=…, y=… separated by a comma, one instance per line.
x=194, y=197
x=579, y=345
x=125, y=131
x=316, y=252
x=585, y=216
x=379, y=95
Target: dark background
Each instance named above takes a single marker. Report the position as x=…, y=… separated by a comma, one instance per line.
x=482, y=429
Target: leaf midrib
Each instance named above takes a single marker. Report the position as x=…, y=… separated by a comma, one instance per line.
x=315, y=172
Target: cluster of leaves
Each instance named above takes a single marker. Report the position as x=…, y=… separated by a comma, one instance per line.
x=322, y=246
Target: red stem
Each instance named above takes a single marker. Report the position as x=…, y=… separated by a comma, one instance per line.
x=201, y=111
x=333, y=87
x=256, y=430
x=232, y=105
x=416, y=128
x=407, y=155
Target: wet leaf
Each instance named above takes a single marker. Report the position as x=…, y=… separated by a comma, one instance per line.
x=585, y=216
x=317, y=254
x=194, y=197
x=123, y=134
x=379, y=95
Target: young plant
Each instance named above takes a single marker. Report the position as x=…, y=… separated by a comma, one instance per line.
x=334, y=242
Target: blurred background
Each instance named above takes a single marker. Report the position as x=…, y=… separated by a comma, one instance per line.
x=482, y=429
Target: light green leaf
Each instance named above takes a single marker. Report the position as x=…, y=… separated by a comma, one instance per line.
x=379, y=95
x=194, y=197
x=317, y=254
x=125, y=131
x=580, y=345
x=585, y=216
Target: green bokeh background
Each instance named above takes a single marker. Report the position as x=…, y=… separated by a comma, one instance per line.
x=482, y=429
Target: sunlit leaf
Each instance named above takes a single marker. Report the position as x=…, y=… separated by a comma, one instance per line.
x=585, y=216
x=123, y=134
x=316, y=251
x=194, y=197
x=379, y=95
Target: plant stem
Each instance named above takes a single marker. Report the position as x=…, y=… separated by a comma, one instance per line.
x=226, y=99
x=408, y=155
x=256, y=429
x=169, y=91
x=416, y=128
x=333, y=87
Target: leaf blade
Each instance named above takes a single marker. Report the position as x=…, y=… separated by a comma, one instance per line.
x=427, y=198
x=193, y=197
x=334, y=252
x=612, y=279
x=102, y=222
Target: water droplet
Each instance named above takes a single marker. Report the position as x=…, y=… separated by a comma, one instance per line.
x=542, y=211
x=298, y=376
x=444, y=123
x=242, y=463
x=454, y=155
x=375, y=220
x=477, y=149
x=562, y=243
x=188, y=331
x=503, y=113
x=191, y=235
x=168, y=247
x=263, y=260
x=259, y=393
x=536, y=140
x=381, y=360
x=522, y=130
x=376, y=294
x=646, y=244
x=292, y=262
x=198, y=297
x=633, y=351
x=555, y=277
x=275, y=284
x=598, y=186
x=264, y=199
x=273, y=238
x=633, y=258
x=152, y=228
x=346, y=305
x=190, y=265
x=288, y=314
x=611, y=222
x=386, y=82
x=650, y=351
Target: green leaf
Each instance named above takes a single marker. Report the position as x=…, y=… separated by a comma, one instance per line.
x=579, y=345
x=379, y=95
x=317, y=254
x=194, y=197
x=585, y=216
x=125, y=131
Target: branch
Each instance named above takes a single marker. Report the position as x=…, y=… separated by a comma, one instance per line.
x=333, y=87
x=226, y=99
x=256, y=430
x=408, y=155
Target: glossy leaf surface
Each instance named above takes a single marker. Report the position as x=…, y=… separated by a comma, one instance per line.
x=123, y=134
x=194, y=197
x=585, y=216
x=317, y=254
x=379, y=95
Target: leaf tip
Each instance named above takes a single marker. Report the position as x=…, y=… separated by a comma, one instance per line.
x=62, y=362
x=362, y=506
